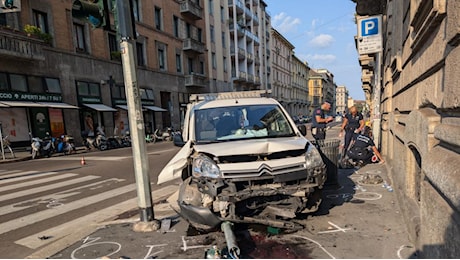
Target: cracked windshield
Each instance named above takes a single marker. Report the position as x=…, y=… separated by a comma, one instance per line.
x=241, y=122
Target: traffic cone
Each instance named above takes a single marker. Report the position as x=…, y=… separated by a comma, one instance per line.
x=83, y=162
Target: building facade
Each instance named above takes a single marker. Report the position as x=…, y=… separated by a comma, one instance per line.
x=322, y=88
x=419, y=110
x=76, y=70
x=341, y=100
x=282, y=51
x=300, y=72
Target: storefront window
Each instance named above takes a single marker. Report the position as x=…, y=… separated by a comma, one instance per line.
x=118, y=92
x=18, y=82
x=82, y=88
x=3, y=81
x=150, y=94
x=94, y=89
x=35, y=84
x=88, y=89
x=52, y=85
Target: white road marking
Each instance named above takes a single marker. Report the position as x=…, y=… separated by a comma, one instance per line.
x=59, y=195
x=7, y=172
x=94, y=218
x=90, y=158
x=40, y=181
x=46, y=187
x=49, y=213
x=24, y=176
x=335, y=230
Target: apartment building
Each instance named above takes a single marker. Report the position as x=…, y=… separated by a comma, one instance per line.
x=417, y=101
x=322, y=88
x=282, y=51
x=56, y=79
x=341, y=100
x=300, y=101
x=248, y=23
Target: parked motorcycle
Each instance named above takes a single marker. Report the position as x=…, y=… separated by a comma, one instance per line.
x=41, y=147
x=98, y=142
x=65, y=144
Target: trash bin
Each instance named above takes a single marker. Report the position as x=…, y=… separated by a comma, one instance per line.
x=329, y=150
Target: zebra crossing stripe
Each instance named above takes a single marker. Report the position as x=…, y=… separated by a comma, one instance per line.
x=26, y=192
x=7, y=172
x=40, y=181
x=32, y=202
x=49, y=213
x=66, y=229
x=24, y=176
x=90, y=158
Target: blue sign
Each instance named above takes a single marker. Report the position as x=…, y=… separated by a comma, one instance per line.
x=370, y=26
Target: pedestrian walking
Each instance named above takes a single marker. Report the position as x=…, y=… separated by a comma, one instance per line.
x=320, y=120
x=353, y=122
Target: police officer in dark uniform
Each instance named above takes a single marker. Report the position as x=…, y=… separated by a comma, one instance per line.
x=320, y=120
x=363, y=148
x=353, y=122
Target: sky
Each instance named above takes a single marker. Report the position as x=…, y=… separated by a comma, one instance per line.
x=322, y=33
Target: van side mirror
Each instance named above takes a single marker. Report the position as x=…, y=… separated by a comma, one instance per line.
x=178, y=141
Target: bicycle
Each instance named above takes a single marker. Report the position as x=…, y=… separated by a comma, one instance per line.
x=7, y=145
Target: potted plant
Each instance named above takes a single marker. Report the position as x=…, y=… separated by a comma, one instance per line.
x=32, y=30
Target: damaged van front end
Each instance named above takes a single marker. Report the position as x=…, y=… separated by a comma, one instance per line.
x=263, y=172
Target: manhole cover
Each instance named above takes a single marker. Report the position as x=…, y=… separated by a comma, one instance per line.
x=370, y=179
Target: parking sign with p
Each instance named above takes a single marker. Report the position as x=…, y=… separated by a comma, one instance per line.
x=370, y=34
x=370, y=26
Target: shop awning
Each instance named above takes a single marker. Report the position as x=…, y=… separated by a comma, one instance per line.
x=100, y=107
x=125, y=107
x=156, y=109
x=21, y=104
x=57, y=105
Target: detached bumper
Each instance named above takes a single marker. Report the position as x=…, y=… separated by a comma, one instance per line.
x=199, y=215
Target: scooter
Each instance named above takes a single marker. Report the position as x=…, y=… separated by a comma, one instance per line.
x=41, y=147
x=99, y=142
x=65, y=144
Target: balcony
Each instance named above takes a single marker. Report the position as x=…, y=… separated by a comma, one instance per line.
x=192, y=46
x=18, y=46
x=191, y=10
x=195, y=80
x=241, y=53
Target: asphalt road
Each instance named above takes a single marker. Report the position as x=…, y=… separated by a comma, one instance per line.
x=57, y=208
x=44, y=200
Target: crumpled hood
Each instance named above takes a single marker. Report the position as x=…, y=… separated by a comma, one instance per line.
x=252, y=146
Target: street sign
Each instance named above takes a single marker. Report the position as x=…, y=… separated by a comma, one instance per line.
x=370, y=34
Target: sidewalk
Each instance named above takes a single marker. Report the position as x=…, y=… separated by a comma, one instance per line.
x=22, y=154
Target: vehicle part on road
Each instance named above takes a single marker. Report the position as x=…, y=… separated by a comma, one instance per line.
x=232, y=247
x=244, y=160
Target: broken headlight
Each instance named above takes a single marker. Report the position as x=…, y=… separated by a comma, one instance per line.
x=312, y=157
x=203, y=166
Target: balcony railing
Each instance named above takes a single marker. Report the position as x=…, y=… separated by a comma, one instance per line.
x=20, y=46
x=192, y=46
x=194, y=80
x=191, y=10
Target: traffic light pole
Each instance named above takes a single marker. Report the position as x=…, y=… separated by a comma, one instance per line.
x=136, y=120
